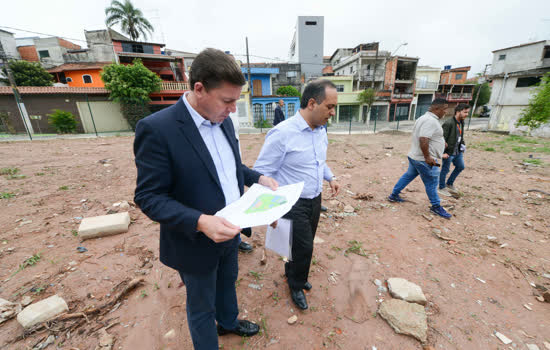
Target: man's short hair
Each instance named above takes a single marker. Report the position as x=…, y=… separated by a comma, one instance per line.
x=438, y=102
x=316, y=90
x=212, y=67
x=460, y=107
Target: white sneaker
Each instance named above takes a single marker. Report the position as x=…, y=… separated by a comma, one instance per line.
x=444, y=192
x=452, y=189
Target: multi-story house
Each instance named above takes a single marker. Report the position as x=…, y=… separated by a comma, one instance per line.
x=454, y=88
x=515, y=72
x=48, y=51
x=427, y=82
x=400, y=81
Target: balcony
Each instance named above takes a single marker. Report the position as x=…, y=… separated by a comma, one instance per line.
x=174, y=85
x=366, y=75
x=455, y=96
x=427, y=85
x=403, y=96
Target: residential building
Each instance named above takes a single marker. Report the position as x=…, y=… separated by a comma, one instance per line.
x=48, y=51
x=364, y=62
x=399, y=79
x=9, y=46
x=307, y=45
x=515, y=71
x=8, y=50
x=454, y=88
x=188, y=58
x=82, y=67
x=427, y=82
x=261, y=77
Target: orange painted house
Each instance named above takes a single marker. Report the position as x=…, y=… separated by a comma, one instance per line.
x=83, y=74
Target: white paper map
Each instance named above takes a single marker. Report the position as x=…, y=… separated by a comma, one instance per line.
x=261, y=206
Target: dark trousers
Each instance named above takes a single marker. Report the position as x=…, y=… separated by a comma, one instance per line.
x=212, y=297
x=305, y=217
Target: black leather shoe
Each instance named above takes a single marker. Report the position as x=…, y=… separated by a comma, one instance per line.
x=307, y=286
x=323, y=208
x=299, y=298
x=244, y=329
x=245, y=247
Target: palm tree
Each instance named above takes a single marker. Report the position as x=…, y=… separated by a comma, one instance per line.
x=130, y=19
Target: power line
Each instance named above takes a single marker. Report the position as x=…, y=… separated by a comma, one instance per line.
x=102, y=43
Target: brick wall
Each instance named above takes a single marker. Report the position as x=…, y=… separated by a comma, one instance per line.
x=68, y=45
x=444, y=79
x=28, y=53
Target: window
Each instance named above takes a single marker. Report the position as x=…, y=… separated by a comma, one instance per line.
x=546, y=53
x=458, y=76
x=340, y=88
x=44, y=53
x=501, y=57
x=291, y=74
x=291, y=108
x=87, y=79
x=350, y=70
x=69, y=80
x=527, y=81
x=311, y=23
x=137, y=48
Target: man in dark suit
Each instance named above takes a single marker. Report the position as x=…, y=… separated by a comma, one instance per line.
x=279, y=115
x=188, y=168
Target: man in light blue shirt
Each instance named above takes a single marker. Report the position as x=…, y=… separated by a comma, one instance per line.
x=295, y=151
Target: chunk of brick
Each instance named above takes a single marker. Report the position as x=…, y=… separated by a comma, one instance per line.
x=104, y=225
x=42, y=311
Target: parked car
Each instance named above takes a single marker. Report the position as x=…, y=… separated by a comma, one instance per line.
x=485, y=111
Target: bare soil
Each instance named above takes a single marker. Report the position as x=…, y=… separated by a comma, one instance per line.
x=474, y=286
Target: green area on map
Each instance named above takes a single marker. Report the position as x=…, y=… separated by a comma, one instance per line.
x=265, y=202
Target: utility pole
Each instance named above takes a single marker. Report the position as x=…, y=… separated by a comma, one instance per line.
x=477, y=95
x=19, y=102
x=375, y=61
x=249, y=82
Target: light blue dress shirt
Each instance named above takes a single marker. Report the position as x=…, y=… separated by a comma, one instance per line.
x=292, y=153
x=220, y=151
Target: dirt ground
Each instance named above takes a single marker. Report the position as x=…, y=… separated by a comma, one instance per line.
x=474, y=286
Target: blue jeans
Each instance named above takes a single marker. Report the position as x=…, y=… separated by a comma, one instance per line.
x=428, y=174
x=212, y=297
x=458, y=162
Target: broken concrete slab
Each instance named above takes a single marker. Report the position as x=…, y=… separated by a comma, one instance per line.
x=8, y=310
x=503, y=338
x=42, y=311
x=292, y=319
x=104, y=225
x=402, y=289
x=405, y=318
x=532, y=347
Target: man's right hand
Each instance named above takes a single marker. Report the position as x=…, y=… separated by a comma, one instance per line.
x=217, y=228
x=430, y=161
x=445, y=156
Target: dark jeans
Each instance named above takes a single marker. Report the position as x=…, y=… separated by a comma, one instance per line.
x=305, y=217
x=428, y=174
x=458, y=162
x=212, y=297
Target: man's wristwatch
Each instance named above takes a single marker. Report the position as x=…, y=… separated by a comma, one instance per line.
x=333, y=179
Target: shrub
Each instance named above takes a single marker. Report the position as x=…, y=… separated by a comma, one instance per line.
x=64, y=122
x=288, y=91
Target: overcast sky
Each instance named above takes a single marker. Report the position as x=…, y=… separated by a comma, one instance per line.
x=457, y=33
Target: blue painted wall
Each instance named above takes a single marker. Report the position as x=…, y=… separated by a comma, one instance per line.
x=268, y=100
x=266, y=82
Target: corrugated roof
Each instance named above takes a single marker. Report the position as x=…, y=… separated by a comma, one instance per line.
x=77, y=66
x=35, y=90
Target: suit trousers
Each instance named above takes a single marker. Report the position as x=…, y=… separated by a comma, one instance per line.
x=305, y=218
x=212, y=297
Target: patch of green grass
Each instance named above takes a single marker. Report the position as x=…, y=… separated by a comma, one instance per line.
x=533, y=161
x=143, y=294
x=74, y=232
x=257, y=275
x=63, y=188
x=6, y=195
x=356, y=248
x=9, y=171
x=33, y=260
x=39, y=174
x=263, y=327
x=331, y=141
x=489, y=149
x=238, y=282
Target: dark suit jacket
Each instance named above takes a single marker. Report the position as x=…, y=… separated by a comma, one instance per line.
x=177, y=182
x=279, y=115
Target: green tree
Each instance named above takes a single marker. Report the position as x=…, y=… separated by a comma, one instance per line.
x=130, y=19
x=367, y=97
x=288, y=91
x=28, y=74
x=537, y=112
x=131, y=85
x=484, y=94
x=64, y=122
